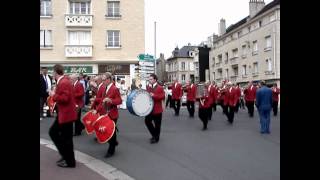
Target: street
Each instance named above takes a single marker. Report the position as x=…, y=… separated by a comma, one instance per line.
x=223, y=152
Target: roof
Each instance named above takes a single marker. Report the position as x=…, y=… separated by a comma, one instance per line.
x=244, y=20
x=267, y=7
x=184, y=52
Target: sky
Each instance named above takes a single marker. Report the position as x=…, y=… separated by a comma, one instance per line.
x=179, y=22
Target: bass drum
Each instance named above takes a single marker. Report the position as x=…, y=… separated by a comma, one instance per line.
x=140, y=103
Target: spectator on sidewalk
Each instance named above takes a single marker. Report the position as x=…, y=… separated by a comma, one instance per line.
x=275, y=98
x=45, y=87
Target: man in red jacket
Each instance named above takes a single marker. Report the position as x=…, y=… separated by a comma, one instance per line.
x=176, y=96
x=62, y=129
x=191, y=97
x=230, y=101
x=212, y=95
x=238, y=92
x=100, y=79
x=205, y=102
x=275, y=98
x=157, y=93
x=78, y=92
x=250, y=96
x=110, y=100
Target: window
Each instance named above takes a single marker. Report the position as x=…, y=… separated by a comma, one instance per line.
x=220, y=58
x=79, y=38
x=113, y=38
x=235, y=52
x=220, y=73
x=45, y=38
x=235, y=70
x=175, y=66
x=183, y=66
x=213, y=75
x=268, y=42
x=244, y=70
x=244, y=50
x=269, y=64
x=227, y=74
x=255, y=68
x=260, y=23
x=79, y=8
x=45, y=8
x=183, y=77
x=113, y=9
x=191, y=66
x=255, y=47
x=227, y=56
x=272, y=17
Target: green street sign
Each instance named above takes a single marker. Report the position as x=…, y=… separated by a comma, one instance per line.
x=75, y=69
x=145, y=57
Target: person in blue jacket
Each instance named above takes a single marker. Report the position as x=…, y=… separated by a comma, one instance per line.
x=264, y=106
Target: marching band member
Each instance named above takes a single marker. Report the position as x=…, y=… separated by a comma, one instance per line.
x=61, y=130
x=78, y=92
x=157, y=93
x=212, y=95
x=191, y=97
x=238, y=93
x=100, y=90
x=275, y=98
x=230, y=101
x=205, y=103
x=176, y=96
x=108, y=105
x=250, y=96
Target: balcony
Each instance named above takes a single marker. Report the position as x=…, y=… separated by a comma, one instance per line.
x=234, y=78
x=218, y=64
x=78, y=50
x=244, y=56
x=254, y=53
x=244, y=75
x=254, y=74
x=269, y=73
x=78, y=20
x=267, y=49
x=233, y=60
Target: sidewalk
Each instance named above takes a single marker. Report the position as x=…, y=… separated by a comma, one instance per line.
x=50, y=171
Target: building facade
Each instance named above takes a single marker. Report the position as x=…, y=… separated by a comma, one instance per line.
x=161, y=68
x=180, y=65
x=250, y=49
x=91, y=36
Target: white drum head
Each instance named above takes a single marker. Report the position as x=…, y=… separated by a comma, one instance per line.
x=142, y=103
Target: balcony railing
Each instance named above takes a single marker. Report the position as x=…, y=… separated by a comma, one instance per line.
x=244, y=75
x=78, y=50
x=255, y=74
x=268, y=72
x=254, y=53
x=244, y=56
x=233, y=78
x=267, y=48
x=78, y=20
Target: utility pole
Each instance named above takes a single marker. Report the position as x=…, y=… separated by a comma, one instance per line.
x=155, y=47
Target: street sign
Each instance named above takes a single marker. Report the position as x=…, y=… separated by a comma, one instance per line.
x=146, y=68
x=145, y=57
x=144, y=63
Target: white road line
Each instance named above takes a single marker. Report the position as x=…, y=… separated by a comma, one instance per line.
x=107, y=171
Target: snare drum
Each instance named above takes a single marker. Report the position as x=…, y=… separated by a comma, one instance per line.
x=140, y=103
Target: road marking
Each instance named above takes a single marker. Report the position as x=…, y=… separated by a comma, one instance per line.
x=107, y=171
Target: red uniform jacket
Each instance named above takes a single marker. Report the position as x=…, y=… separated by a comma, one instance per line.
x=114, y=94
x=221, y=95
x=207, y=102
x=212, y=93
x=65, y=101
x=217, y=92
x=158, y=97
x=191, y=93
x=275, y=94
x=250, y=93
x=238, y=90
x=99, y=95
x=230, y=98
x=176, y=91
x=78, y=94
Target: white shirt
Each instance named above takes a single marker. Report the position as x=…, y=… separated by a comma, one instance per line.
x=191, y=86
x=230, y=89
x=46, y=78
x=99, y=86
x=154, y=85
x=251, y=87
x=75, y=83
x=108, y=87
x=59, y=79
x=175, y=85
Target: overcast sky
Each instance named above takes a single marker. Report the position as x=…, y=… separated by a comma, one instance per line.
x=180, y=22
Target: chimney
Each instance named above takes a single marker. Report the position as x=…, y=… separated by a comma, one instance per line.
x=161, y=56
x=255, y=6
x=222, y=27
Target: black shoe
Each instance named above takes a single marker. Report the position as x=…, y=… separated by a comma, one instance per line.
x=154, y=141
x=109, y=155
x=65, y=165
x=95, y=139
x=204, y=128
x=60, y=160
